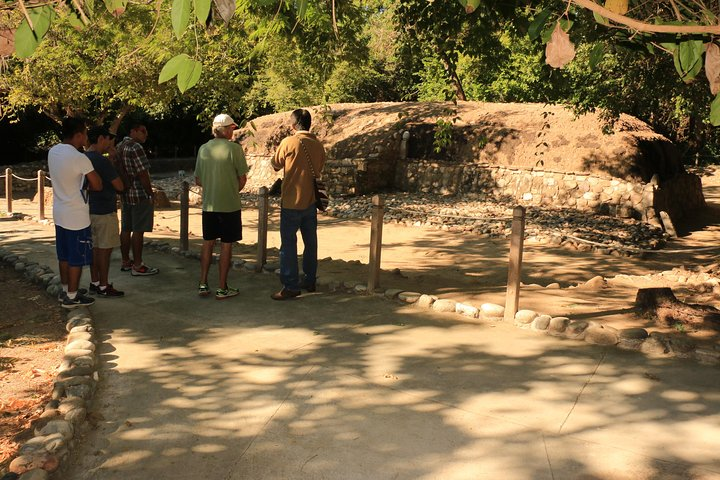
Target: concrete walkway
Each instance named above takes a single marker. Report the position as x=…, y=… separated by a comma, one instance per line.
x=335, y=386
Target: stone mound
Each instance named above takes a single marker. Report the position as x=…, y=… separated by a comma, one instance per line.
x=547, y=137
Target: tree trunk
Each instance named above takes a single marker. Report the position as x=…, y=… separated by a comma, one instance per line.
x=452, y=73
x=669, y=311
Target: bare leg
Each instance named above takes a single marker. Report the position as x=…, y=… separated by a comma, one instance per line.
x=137, y=247
x=63, y=266
x=205, y=258
x=224, y=267
x=94, y=266
x=101, y=262
x=74, y=274
x=125, y=246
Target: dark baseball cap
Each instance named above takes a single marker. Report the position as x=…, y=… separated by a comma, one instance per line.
x=98, y=131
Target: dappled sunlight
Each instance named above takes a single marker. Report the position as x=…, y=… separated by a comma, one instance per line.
x=350, y=386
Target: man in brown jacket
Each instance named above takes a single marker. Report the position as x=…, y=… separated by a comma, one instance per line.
x=298, y=156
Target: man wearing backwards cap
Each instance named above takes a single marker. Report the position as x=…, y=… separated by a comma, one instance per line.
x=221, y=171
x=103, y=211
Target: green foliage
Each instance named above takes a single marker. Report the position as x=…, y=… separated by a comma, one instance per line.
x=28, y=38
x=443, y=136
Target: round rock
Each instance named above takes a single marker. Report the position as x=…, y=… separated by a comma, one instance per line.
x=492, y=310
x=541, y=322
x=601, y=335
x=525, y=316
x=80, y=345
x=467, y=310
x=58, y=426
x=633, y=333
x=444, y=305
x=576, y=329
x=426, y=301
x=391, y=293
x=409, y=297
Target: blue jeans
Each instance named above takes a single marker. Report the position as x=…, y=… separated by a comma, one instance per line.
x=290, y=222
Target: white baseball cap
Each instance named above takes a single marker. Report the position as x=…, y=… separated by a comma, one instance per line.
x=223, y=120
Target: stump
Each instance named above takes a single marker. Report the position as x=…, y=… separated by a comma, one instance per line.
x=662, y=303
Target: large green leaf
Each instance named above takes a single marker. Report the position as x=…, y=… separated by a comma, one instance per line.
x=600, y=19
x=27, y=39
x=596, y=55
x=202, y=10
x=715, y=111
x=41, y=18
x=688, y=59
x=189, y=74
x=301, y=7
x=471, y=6
x=538, y=23
x=172, y=67
x=180, y=16
x=116, y=7
x=566, y=24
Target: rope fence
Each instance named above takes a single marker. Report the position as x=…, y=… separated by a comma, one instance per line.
x=378, y=211
x=24, y=179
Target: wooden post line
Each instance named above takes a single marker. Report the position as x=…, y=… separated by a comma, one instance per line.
x=8, y=190
x=41, y=194
x=184, y=216
x=515, y=264
x=262, y=229
x=376, y=226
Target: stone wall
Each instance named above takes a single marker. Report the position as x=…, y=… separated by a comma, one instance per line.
x=347, y=176
x=584, y=192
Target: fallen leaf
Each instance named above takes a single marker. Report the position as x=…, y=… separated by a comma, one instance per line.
x=617, y=6
x=712, y=67
x=559, y=50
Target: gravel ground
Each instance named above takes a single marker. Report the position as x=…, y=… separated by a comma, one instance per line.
x=471, y=214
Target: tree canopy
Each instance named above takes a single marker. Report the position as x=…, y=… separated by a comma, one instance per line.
x=250, y=57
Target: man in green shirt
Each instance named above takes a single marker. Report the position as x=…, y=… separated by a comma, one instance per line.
x=221, y=171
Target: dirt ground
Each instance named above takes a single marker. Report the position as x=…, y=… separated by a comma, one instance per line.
x=32, y=337
x=451, y=266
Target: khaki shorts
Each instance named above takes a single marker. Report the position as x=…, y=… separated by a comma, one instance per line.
x=105, y=231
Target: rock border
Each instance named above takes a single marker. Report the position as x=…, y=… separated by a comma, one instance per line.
x=64, y=416
x=652, y=344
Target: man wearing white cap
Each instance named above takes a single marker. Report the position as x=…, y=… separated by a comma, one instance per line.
x=221, y=171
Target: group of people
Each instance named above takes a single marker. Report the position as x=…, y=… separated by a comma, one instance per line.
x=221, y=171
x=88, y=172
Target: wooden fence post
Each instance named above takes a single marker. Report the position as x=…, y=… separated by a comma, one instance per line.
x=184, y=216
x=41, y=194
x=376, y=226
x=515, y=265
x=262, y=228
x=8, y=190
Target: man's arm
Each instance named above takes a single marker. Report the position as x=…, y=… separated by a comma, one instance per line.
x=94, y=181
x=242, y=180
x=278, y=160
x=144, y=177
x=118, y=185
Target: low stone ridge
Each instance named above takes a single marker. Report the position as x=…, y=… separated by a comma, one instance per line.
x=64, y=416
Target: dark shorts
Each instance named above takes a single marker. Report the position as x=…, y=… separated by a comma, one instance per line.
x=74, y=246
x=137, y=218
x=227, y=226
